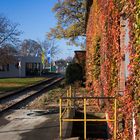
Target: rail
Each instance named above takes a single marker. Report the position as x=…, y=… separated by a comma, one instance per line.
x=25, y=97
x=70, y=105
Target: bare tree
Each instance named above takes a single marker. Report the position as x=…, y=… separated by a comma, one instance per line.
x=8, y=32
x=7, y=53
x=49, y=45
x=9, y=37
x=30, y=48
x=46, y=49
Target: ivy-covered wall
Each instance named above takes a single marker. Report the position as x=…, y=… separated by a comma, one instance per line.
x=105, y=57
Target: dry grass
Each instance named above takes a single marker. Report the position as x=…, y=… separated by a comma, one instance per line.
x=49, y=99
x=10, y=85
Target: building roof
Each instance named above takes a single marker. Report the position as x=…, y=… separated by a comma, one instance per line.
x=80, y=56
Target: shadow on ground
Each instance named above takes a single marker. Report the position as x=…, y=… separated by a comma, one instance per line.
x=95, y=130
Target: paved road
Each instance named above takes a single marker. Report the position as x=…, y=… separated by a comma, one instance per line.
x=20, y=126
x=48, y=130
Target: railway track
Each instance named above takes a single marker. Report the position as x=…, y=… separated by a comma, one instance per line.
x=22, y=98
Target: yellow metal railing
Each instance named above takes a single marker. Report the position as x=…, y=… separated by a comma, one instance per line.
x=69, y=99
x=66, y=109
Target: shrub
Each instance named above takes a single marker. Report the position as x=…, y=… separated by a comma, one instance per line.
x=74, y=73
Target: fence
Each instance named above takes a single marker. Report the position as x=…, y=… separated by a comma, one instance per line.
x=70, y=105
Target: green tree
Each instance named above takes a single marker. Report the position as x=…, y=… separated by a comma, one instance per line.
x=70, y=16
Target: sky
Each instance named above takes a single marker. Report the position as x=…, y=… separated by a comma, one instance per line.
x=35, y=18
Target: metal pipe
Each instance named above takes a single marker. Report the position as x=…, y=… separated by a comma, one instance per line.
x=85, y=123
x=115, y=119
x=72, y=98
x=67, y=103
x=88, y=120
x=60, y=118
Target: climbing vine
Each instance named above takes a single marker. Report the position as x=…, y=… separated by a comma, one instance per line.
x=134, y=78
x=96, y=60
x=106, y=57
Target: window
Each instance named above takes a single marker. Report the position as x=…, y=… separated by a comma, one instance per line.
x=16, y=65
x=32, y=69
x=7, y=67
x=4, y=67
x=1, y=68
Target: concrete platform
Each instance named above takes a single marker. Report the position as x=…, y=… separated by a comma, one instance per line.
x=24, y=125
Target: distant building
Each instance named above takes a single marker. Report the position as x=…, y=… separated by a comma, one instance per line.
x=22, y=67
x=80, y=57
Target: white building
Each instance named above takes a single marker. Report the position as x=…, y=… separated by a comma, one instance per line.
x=22, y=67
